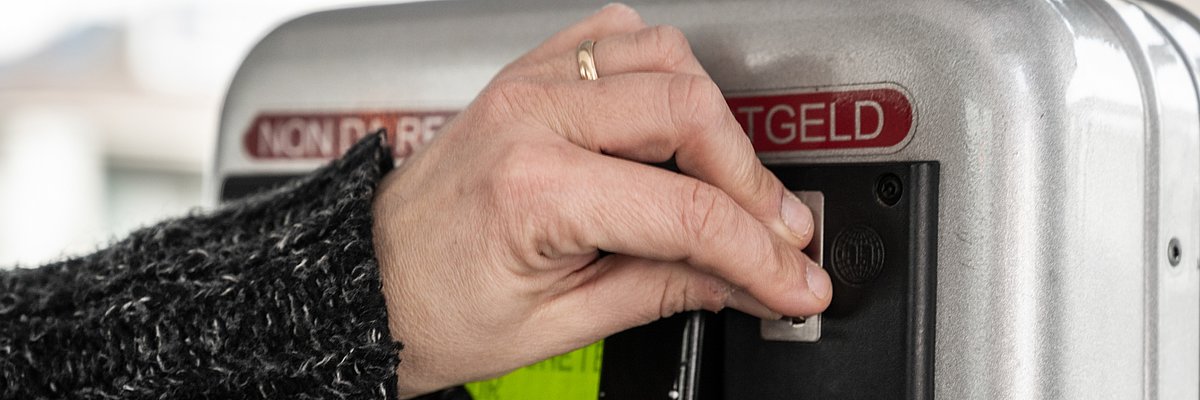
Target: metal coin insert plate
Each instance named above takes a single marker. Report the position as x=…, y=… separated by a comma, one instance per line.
x=802, y=329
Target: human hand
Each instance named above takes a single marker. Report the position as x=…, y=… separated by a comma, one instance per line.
x=490, y=239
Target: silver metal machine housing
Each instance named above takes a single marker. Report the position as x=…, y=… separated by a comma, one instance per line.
x=1068, y=134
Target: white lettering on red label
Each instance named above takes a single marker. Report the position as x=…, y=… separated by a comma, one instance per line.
x=325, y=136
x=876, y=117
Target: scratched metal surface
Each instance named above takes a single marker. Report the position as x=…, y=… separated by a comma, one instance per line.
x=1067, y=131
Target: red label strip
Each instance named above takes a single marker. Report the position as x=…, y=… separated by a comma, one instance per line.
x=328, y=135
x=873, y=118
x=825, y=120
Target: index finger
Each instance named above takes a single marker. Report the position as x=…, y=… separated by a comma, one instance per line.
x=651, y=117
x=646, y=212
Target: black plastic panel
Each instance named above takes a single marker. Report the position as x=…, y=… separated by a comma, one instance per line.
x=877, y=337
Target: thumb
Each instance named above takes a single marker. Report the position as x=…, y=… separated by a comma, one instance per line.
x=624, y=292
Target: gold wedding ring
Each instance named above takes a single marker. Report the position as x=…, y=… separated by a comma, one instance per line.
x=586, y=53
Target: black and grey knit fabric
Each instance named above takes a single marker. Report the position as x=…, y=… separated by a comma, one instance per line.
x=276, y=296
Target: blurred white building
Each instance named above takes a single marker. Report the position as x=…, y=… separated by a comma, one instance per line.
x=108, y=112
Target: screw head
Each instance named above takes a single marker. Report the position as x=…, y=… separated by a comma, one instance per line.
x=1174, y=253
x=889, y=189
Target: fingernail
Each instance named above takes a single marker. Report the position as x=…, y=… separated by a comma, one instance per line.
x=796, y=215
x=818, y=281
x=748, y=304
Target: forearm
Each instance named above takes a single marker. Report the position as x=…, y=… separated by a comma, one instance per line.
x=277, y=296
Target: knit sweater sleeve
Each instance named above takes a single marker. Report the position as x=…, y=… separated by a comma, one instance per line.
x=274, y=296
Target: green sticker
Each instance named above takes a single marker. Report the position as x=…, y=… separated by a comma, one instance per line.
x=571, y=376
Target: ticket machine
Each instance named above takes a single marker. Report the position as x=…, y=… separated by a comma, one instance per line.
x=1008, y=191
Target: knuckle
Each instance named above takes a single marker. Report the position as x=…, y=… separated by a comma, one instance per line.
x=705, y=213
x=695, y=102
x=685, y=292
x=764, y=188
x=780, y=266
x=517, y=175
x=508, y=97
x=494, y=101
x=670, y=45
x=670, y=303
x=515, y=69
x=518, y=189
x=766, y=260
x=675, y=293
x=712, y=294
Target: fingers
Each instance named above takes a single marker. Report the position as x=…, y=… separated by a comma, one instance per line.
x=642, y=211
x=661, y=48
x=651, y=117
x=629, y=291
